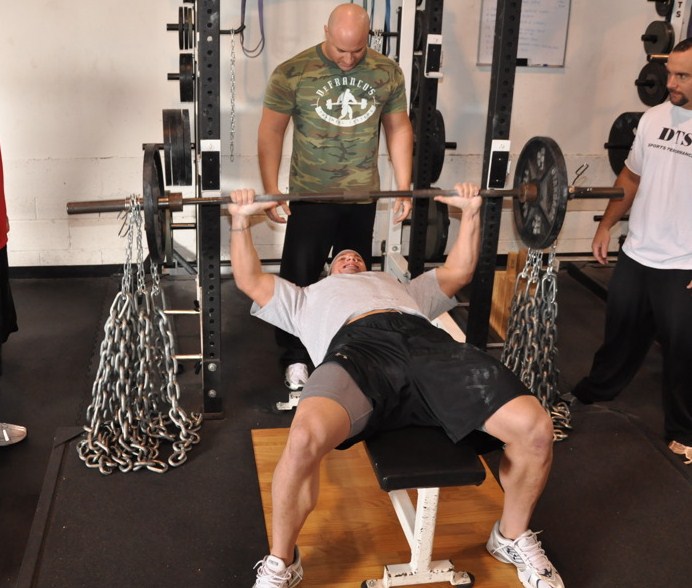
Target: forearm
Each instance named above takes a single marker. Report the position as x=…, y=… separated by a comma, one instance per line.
x=462, y=259
x=270, y=140
x=616, y=209
x=246, y=264
x=400, y=147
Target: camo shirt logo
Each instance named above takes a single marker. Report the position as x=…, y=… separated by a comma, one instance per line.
x=339, y=105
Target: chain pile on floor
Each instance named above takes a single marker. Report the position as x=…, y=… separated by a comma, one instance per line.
x=530, y=349
x=135, y=395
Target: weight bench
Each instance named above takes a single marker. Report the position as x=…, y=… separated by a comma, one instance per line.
x=424, y=459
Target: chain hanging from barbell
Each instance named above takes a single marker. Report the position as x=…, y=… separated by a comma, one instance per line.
x=530, y=349
x=135, y=393
x=377, y=40
x=233, y=97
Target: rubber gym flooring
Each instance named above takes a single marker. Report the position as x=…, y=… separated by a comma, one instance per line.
x=617, y=511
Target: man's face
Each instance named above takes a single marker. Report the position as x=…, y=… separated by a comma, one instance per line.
x=345, y=47
x=347, y=262
x=680, y=78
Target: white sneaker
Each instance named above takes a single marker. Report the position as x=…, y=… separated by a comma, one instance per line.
x=10, y=434
x=295, y=376
x=681, y=449
x=272, y=572
x=533, y=566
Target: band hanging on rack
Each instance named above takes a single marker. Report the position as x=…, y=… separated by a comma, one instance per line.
x=254, y=52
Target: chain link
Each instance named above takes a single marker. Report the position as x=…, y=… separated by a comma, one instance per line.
x=530, y=349
x=377, y=40
x=233, y=97
x=135, y=395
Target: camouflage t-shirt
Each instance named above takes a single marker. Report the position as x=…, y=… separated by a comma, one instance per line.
x=336, y=117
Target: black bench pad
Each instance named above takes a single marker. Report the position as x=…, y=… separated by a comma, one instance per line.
x=422, y=457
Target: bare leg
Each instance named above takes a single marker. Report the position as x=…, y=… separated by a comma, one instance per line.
x=526, y=429
x=319, y=425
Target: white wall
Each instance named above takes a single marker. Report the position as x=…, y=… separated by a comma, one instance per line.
x=85, y=82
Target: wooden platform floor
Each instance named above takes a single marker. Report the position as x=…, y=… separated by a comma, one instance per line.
x=354, y=531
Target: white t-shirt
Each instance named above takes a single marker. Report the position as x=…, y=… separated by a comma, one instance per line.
x=315, y=313
x=660, y=225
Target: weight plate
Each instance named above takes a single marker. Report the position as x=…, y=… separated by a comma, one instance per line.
x=187, y=77
x=664, y=8
x=189, y=29
x=181, y=28
x=168, y=118
x=659, y=37
x=186, y=177
x=436, y=145
x=418, y=30
x=152, y=191
x=437, y=231
x=651, y=83
x=539, y=222
x=177, y=147
x=415, y=81
x=620, y=139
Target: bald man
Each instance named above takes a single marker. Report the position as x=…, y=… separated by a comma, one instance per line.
x=337, y=94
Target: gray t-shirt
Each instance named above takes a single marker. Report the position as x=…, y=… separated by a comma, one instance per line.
x=315, y=313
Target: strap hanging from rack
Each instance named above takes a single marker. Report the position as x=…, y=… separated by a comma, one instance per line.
x=260, y=45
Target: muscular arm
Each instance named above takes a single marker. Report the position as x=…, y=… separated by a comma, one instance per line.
x=616, y=209
x=270, y=140
x=247, y=269
x=399, y=136
x=461, y=261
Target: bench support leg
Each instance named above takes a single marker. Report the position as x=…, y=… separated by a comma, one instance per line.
x=418, y=525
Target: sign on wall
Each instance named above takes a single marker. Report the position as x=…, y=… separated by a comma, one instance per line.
x=542, y=33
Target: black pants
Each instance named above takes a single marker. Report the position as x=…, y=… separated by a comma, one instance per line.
x=646, y=304
x=8, y=316
x=312, y=230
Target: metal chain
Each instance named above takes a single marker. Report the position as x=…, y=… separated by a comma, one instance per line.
x=530, y=349
x=377, y=40
x=233, y=97
x=135, y=395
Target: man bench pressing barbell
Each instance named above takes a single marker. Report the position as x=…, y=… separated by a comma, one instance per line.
x=383, y=365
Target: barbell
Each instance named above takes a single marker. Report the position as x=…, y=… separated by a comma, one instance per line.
x=540, y=195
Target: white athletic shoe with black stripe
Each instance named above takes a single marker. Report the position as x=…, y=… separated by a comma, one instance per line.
x=525, y=552
x=272, y=572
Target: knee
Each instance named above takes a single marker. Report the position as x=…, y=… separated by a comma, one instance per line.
x=534, y=430
x=539, y=431
x=306, y=442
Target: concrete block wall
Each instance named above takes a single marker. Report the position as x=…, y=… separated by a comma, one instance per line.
x=85, y=83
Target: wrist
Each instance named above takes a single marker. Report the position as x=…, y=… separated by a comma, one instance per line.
x=239, y=223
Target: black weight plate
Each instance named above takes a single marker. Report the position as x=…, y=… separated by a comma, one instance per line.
x=415, y=81
x=152, y=191
x=659, y=37
x=181, y=28
x=620, y=139
x=168, y=118
x=187, y=77
x=664, y=8
x=437, y=231
x=651, y=83
x=436, y=144
x=190, y=20
x=418, y=30
x=539, y=222
x=186, y=172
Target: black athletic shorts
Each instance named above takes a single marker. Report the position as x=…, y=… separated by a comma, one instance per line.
x=416, y=374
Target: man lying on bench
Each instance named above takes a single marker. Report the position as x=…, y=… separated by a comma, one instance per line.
x=382, y=365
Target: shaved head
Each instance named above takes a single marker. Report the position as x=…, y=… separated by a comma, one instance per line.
x=346, y=35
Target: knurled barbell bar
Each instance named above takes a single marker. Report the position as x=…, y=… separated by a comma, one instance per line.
x=540, y=194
